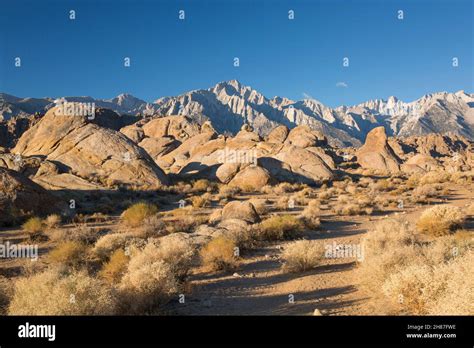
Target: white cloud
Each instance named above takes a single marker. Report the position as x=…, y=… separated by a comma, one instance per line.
x=342, y=84
x=307, y=96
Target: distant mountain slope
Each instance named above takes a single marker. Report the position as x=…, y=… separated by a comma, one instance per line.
x=228, y=105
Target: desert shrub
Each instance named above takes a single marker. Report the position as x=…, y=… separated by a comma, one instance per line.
x=440, y=220
x=389, y=245
x=148, y=282
x=302, y=255
x=418, y=276
x=343, y=199
x=219, y=254
x=203, y=185
x=226, y=191
x=326, y=194
x=177, y=252
x=384, y=185
x=299, y=198
x=83, y=234
x=434, y=178
x=282, y=203
x=70, y=253
x=446, y=248
x=113, y=270
x=110, y=242
x=421, y=193
x=442, y=288
x=285, y=187
x=310, y=214
x=279, y=227
x=412, y=287
x=200, y=201
x=55, y=292
x=458, y=295
x=34, y=227
x=52, y=221
x=186, y=223
x=462, y=177
x=352, y=209
x=352, y=189
x=137, y=213
x=152, y=226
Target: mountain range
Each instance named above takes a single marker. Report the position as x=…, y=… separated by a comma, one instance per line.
x=230, y=104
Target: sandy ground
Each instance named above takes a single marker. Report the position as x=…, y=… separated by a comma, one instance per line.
x=261, y=287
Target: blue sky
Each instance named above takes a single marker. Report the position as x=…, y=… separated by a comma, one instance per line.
x=406, y=58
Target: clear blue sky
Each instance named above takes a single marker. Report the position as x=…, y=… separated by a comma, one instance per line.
x=406, y=58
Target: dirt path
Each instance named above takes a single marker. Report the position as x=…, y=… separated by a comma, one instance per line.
x=261, y=288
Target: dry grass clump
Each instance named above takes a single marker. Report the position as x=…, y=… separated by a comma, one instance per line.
x=283, y=203
x=352, y=189
x=298, y=199
x=444, y=288
x=412, y=287
x=228, y=192
x=440, y=220
x=446, y=248
x=280, y=227
x=178, y=252
x=203, y=185
x=107, y=244
x=201, y=201
x=70, y=253
x=352, y=209
x=153, y=275
x=419, y=277
x=458, y=295
x=302, y=255
x=54, y=292
x=52, y=221
x=325, y=195
x=384, y=185
x=152, y=226
x=137, y=213
x=311, y=213
x=219, y=254
x=388, y=246
x=462, y=178
x=343, y=199
x=434, y=178
x=186, y=223
x=113, y=270
x=79, y=233
x=421, y=193
x=146, y=286
x=286, y=187
x=34, y=227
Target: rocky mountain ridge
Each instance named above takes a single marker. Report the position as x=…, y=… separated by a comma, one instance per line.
x=229, y=105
